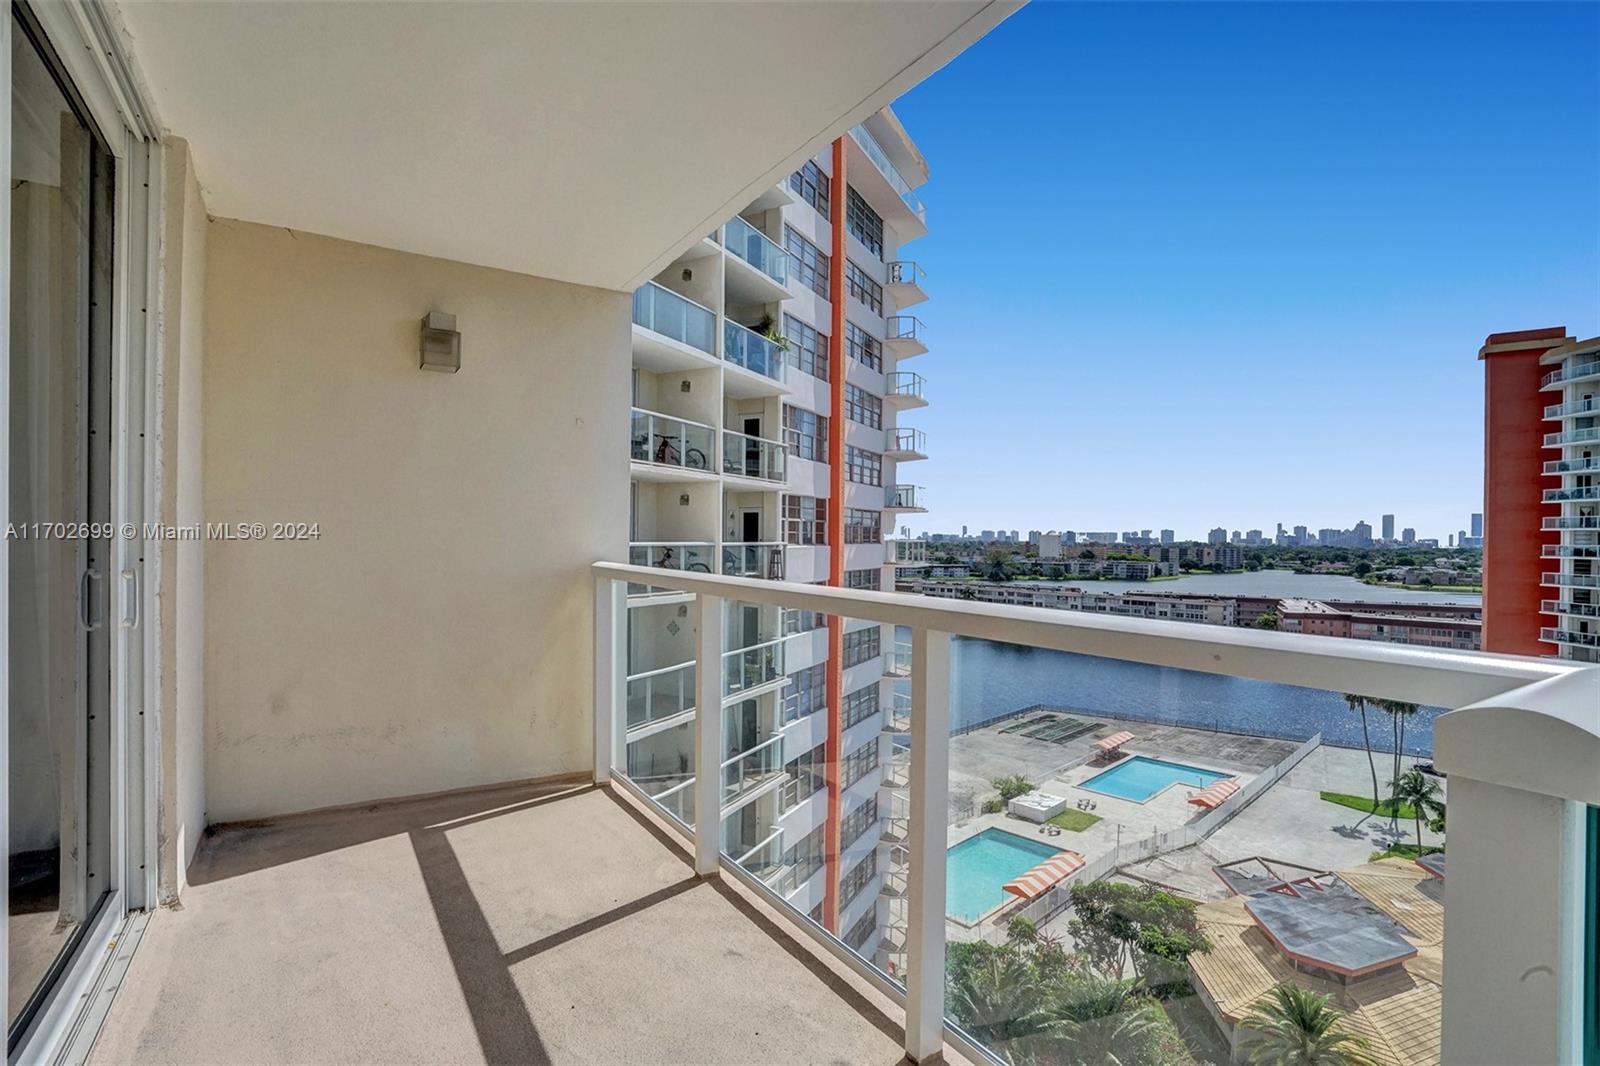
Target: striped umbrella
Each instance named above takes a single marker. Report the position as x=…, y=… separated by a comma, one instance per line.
x=1053, y=870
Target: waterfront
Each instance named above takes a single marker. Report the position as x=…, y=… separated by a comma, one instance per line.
x=990, y=679
x=1281, y=583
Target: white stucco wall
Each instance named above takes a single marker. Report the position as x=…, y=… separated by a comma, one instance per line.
x=438, y=634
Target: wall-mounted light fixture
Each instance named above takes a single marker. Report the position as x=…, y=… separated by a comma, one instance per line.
x=441, y=344
x=683, y=500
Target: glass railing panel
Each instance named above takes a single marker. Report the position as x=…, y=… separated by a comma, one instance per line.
x=752, y=667
x=1574, y=436
x=1586, y=492
x=690, y=556
x=904, y=327
x=1572, y=373
x=753, y=457
x=757, y=249
x=663, y=311
x=763, y=560
x=1571, y=522
x=904, y=272
x=747, y=348
x=897, y=181
x=909, y=440
x=905, y=497
x=749, y=770
x=660, y=694
x=668, y=441
x=905, y=383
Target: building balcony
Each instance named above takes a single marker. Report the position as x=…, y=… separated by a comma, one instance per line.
x=753, y=772
x=749, y=559
x=1570, y=636
x=1582, y=492
x=909, y=498
x=672, y=332
x=1573, y=581
x=885, y=188
x=1578, y=610
x=1575, y=408
x=1572, y=436
x=753, y=458
x=897, y=661
x=904, y=283
x=908, y=552
x=1570, y=521
x=1570, y=551
x=905, y=336
x=758, y=267
x=694, y=556
x=1569, y=374
x=665, y=448
x=660, y=697
x=746, y=671
x=762, y=356
x=904, y=390
x=1572, y=466
x=905, y=444
x=897, y=714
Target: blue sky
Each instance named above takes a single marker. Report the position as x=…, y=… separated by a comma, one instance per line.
x=1217, y=264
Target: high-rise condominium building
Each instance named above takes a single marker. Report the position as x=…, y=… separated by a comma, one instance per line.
x=1388, y=527
x=1541, y=592
x=1477, y=523
x=769, y=397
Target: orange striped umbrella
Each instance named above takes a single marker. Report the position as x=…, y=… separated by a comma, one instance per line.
x=1053, y=870
x=1212, y=797
x=1115, y=740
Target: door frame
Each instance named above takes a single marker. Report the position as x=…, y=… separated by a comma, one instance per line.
x=88, y=42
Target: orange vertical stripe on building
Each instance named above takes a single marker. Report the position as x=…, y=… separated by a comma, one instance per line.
x=835, y=531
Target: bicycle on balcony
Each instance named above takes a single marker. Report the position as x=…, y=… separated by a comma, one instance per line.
x=670, y=453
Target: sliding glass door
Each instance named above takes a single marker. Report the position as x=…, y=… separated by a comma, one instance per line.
x=62, y=206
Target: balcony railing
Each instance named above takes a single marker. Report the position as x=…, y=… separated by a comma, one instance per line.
x=752, y=667
x=906, y=441
x=765, y=859
x=1572, y=581
x=1570, y=636
x=752, y=559
x=1572, y=466
x=753, y=457
x=688, y=555
x=751, y=769
x=905, y=498
x=1582, y=610
x=904, y=272
x=1570, y=521
x=908, y=552
x=1571, y=436
x=1584, y=492
x=1576, y=407
x=663, y=311
x=1570, y=551
x=747, y=348
x=1571, y=373
x=905, y=384
x=1519, y=751
x=880, y=159
x=905, y=328
x=666, y=441
x=659, y=694
x=757, y=249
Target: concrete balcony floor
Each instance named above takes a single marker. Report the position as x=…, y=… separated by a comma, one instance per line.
x=539, y=923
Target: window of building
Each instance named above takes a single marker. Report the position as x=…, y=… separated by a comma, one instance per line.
x=808, y=856
x=862, y=645
x=806, y=433
x=862, y=931
x=811, y=185
x=808, y=349
x=862, y=527
x=863, y=288
x=862, y=221
x=809, y=771
x=798, y=621
x=863, y=579
x=858, y=821
x=810, y=262
x=805, y=520
x=806, y=693
x=863, y=347
x=863, y=467
x=860, y=705
x=852, y=883
x=858, y=763
x=861, y=406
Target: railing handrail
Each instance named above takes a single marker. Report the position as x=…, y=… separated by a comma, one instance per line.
x=661, y=669
x=672, y=418
x=746, y=753
x=1436, y=676
x=1577, y=370
x=671, y=543
x=916, y=326
x=754, y=543
x=679, y=296
x=752, y=436
x=770, y=837
x=748, y=647
x=895, y=267
x=757, y=231
x=897, y=181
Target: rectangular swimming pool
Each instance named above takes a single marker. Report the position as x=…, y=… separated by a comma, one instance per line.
x=977, y=869
x=1140, y=778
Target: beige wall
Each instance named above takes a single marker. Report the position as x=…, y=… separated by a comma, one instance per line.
x=438, y=634
x=180, y=620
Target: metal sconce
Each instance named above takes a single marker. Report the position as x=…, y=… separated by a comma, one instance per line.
x=441, y=343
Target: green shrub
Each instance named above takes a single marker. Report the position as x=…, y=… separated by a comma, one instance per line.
x=992, y=805
x=1012, y=786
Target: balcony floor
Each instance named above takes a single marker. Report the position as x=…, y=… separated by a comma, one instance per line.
x=531, y=923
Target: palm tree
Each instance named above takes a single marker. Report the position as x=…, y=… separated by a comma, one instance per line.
x=1359, y=704
x=1421, y=792
x=1296, y=1027
x=1099, y=1021
x=998, y=1001
x=1398, y=711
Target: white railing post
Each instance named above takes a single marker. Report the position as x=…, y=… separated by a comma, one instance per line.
x=610, y=664
x=708, y=736
x=930, y=787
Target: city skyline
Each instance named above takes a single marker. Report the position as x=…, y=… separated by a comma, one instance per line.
x=1471, y=523
x=1118, y=266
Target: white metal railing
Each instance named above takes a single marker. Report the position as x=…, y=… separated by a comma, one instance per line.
x=754, y=559
x=750, y=769
x=1581, y=492
x=909, y=552
x=1570, y=551
x=904, y=272
x=753, y=457
x=667, y=441
x=906, y=384
x=752, y=667
x=1576, y=407
x=905, y=498
x=655, y=695
x=1571, y=436
x=663, y=311
x=1520, y=752
x=904, y=328
x=880, y=159
x=1570, y=636
x=1572, y=466
x=745, y=347
x=1583, y=610
x=770, y=852
x=1580, y=581
x=1570, y=521
x=757, y=249
x=695, y=556
x=908, y=441
x=1571, y=373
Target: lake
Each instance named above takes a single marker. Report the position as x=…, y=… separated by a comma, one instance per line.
x=1276, y=583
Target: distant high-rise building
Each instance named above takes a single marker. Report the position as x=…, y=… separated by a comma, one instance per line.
x=1388, y=527
x=1452, y=540
x=1408, y=536
x=1477, y=523
x=986, y=534
x=1033, y=536
x=1252, y=536
x=1362, y=535
x=963, y=531
x=1168, y=536
x=1217, y=536
x=1050, y=545
x=1301, y=533
x=1016, y=535
x=1068, y=537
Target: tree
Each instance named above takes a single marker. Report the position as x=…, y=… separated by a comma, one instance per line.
x=1118, y=925
x=1294, y=1026
x=1421, y=792
x=1398, y=711
x=1268, y=620
x=996, y=997
x=1012, y=786
x=1359, y=704
x=1363, y=568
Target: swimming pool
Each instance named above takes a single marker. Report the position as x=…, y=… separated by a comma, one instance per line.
x=978, y=867
x=1140, y=778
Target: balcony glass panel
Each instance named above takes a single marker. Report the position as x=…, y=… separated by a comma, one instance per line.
x=905, y=497
x=763, y=560
x=752, y=769
x=1571, y=636
x=1571, y=522
x=909, y=440
x=663, y=311
x=747, y=668
x=690, y=556
x=1571, y=373
x=757, y=249
x=904, y=272
x=1585, y=492
x=667, y=441
x=904, y=327
x=880, y=159
x=753, y=457
x=905, y=383
x=747, y=348
x=1571, y=436
x=660, y=694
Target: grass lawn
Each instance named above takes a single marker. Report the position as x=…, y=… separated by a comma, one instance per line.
x=1405, y=851
x=1077, y=821
x=1364, y=804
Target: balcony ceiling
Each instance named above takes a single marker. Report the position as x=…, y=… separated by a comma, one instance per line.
x=590, y=143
